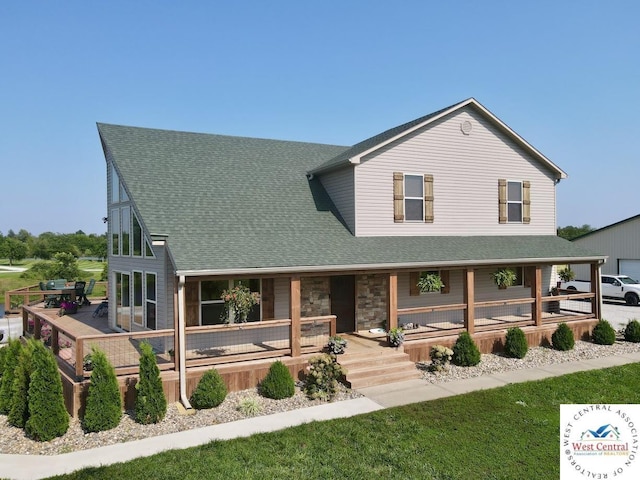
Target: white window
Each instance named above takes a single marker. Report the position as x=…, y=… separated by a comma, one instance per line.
x=212, y=306
x=414, y=198
x=514, y=201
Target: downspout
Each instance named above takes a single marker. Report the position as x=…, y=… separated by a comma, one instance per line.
x=182, y=367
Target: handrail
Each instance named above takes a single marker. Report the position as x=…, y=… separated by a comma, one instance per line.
x=435, y=308
x=29, y=291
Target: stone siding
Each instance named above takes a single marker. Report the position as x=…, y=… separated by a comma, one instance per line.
x=371, y=301
x=315, y=300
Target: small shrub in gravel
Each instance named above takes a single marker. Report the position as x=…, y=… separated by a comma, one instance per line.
x=278, y=383
x=440, y=358
x=603, y=333
x=562, y=339
x=19, y=409
x=632, y=331
x=48, y=417
x=104, y=405
x=10, y=364
x=210, y=392
x=515, y=345
x=249, y=406
x=465, y=351
x=322, y=380
x=151, y=404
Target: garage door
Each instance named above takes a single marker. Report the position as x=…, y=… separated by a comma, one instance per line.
x=631, y=268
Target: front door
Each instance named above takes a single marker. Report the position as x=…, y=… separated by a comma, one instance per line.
x=343, y=302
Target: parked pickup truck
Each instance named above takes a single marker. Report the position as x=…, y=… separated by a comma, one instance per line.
x=620, y=287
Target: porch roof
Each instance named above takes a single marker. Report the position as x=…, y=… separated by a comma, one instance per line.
x=233, y=204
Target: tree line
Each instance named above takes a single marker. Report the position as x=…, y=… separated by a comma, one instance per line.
x=21, y=245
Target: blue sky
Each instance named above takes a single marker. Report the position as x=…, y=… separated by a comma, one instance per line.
x=565, y=75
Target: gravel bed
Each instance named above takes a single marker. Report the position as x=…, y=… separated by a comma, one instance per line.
x=13, y=440
x=536, y=357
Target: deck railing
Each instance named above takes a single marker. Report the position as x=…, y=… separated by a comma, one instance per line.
x=31, y=294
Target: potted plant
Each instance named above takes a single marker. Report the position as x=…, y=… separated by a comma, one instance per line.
x=337, y=344
x=504, y=277
x=430, y=282
x=566, y=274
x=395, y=336
x=238, y=302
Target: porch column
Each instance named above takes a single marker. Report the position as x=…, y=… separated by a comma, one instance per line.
x=294, y=314
x=536, y=293
x=392, y=301
x=469, y=299
x=596, y=288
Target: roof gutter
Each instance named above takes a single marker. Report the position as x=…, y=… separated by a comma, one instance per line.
x=386, y=266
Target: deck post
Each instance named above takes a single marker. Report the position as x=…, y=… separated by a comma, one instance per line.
x=79, y=358
x=392, y=301
x=294, y=313
x=469, y=300
x=536, y=293
x=596, y=301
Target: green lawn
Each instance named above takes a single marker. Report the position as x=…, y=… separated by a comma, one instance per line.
x=506, y=433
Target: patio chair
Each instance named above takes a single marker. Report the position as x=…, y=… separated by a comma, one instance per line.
x=83, y=300
x=79, y=288
x=102, y=309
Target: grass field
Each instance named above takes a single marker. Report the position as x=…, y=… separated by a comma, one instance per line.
x=505, y=433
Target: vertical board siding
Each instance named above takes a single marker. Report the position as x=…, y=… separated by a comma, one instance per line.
x=281, y=297
x=619, y=242
x=465, y=170
x=339, y=186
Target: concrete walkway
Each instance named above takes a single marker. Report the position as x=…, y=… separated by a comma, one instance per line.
x=376, y=398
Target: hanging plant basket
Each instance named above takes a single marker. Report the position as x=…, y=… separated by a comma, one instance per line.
x=504, y=277
x=430, y=282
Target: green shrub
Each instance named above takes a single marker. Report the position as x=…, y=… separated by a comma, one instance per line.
x=48, y=417
x=632, y=331
x=562, y=339
x=249, y=406
x=103, y=409
x=151, y=404
x=603, y=333
x=515, y=345
x=322, y=380
x=465, y=351
x=278, y=383
x=10, y=364
x=19, y=409
x=3, y=354
x=210, y=392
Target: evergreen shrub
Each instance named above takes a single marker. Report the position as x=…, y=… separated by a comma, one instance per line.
x=48, y=417
x=322, y=380
x=10, y=364
x=632, y=331
x=562, y=339
x=603, y=333
x=210, y=392
x=103, y=409
x=19, y=408
x=151, y=404
x=278, y=383
x=515, y=345
x=465, y=351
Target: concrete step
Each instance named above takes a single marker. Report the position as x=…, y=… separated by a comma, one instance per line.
x=374, y=370
x=383, y=379
x=363, y=360
x=377, y=367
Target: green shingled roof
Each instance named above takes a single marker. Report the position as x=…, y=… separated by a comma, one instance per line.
x=235, y=204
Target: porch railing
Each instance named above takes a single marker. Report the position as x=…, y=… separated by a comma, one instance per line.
x=30, y=295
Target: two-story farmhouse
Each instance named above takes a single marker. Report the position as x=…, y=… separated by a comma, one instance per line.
x=335, y=238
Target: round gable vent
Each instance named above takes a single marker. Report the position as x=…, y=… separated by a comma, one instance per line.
x=466, y=127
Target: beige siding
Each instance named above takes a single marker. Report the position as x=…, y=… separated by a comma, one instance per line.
x=619, y=242
x=465, y=170
x=339, y=186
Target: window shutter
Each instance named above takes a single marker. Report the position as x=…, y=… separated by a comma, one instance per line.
x=526, y=202
x=398, y=197
x=192, y=303
x=428, y=198
x=267, y=299
x=502, y=200
x=444, y=275
x=413, y=284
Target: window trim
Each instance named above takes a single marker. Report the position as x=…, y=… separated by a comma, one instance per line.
x=515, y=202
x=407, y=197
x=230, y=284
x=148, y=301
